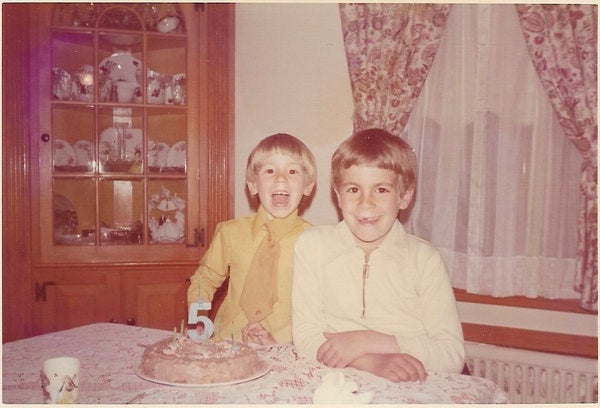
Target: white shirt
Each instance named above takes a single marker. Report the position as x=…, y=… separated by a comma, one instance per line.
x=407, y=294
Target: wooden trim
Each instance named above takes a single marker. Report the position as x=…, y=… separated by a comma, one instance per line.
x=116, y=266
x=558, y=305
x=16, y=204
x=574, y=345
x=220, y=118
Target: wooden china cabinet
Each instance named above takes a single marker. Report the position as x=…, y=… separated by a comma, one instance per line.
x=129, y=111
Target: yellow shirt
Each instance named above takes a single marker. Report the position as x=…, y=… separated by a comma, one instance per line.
x=230, y=254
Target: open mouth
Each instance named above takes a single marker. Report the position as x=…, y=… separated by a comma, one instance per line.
x=367, y=220
x=280, y=198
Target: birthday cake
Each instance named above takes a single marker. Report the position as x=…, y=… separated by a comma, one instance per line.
x=182, y=360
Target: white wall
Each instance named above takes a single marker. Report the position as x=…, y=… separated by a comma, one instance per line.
x=291, y=76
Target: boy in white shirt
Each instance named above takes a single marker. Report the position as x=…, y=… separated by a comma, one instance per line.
x=365, y=293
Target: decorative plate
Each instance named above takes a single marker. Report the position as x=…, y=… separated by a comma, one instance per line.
x=157, y=153
x=177, y=155
x=255, y=376
x=84, y=152
x=64, y=155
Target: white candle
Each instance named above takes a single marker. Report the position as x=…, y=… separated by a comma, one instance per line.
x=233, y=345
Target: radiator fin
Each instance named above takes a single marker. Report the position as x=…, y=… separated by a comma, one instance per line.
x=534, y=377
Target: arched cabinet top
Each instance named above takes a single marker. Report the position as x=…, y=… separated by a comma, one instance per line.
x=152, y=17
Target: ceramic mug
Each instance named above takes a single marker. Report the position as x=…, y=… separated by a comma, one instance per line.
x=60, y=380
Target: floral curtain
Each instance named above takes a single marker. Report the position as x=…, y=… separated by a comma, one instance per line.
x=562, y=41
x=390, y=49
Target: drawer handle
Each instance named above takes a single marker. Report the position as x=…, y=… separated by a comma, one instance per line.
x=40, y=290
x=198, y=238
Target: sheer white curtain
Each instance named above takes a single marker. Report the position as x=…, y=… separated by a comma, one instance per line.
x=498, y=180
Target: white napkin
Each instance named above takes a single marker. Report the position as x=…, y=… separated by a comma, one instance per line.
x=334, y=389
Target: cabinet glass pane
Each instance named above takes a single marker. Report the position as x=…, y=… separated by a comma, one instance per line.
x=122, y=18
x=167, y=135
x=166, y=211
x=164, y=18
x=72, y=66
x=166, y=57
x=73, y=138
x=121, y=212
x=120, y=68
x=121, y=140
x=74, y=209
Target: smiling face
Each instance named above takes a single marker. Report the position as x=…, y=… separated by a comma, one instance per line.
x=370, y=199
x=280, y=182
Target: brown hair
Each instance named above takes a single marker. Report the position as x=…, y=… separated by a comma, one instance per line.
x=378, y=148
x=285, y=144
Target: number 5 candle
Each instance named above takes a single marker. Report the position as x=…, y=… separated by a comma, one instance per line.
x=194, y=318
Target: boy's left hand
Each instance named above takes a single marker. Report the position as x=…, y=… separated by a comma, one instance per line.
x=258, y=334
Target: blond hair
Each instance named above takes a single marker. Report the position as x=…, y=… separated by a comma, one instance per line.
x=377, y=148
x=285, y=144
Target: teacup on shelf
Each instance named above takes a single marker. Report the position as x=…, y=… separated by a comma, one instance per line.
x=155, y=89
x=125, y=91
x=83, y=84
x=168, y=24
x=62, y=84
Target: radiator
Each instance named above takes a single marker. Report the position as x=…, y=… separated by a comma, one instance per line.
x=535, y=377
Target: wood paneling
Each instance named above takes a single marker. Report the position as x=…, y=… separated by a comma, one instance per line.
x=221, y=80
x=16, y=250
x=155, y=297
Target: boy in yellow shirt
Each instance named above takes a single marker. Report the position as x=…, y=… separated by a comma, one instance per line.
x=256, y=251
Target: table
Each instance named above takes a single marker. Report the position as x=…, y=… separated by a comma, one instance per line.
x=110, y=354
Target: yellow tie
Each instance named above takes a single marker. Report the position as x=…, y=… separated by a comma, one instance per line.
x=260, y=290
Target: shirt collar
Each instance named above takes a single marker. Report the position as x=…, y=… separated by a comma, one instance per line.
x=283, y=224
x=396, y=236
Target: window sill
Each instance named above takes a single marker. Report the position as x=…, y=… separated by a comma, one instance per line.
x=569, y=344
x=559, y=305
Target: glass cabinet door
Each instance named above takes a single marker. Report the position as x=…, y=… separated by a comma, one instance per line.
x=121, y=123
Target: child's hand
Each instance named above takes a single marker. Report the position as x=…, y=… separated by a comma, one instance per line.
x=258, y=334
x=396, y=367
x=341, y=349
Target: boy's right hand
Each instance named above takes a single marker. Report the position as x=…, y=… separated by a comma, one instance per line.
x=341, y=349
x=258, y=334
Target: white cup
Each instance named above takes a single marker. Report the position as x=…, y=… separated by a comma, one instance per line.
x=60, y=380
x=125, y=91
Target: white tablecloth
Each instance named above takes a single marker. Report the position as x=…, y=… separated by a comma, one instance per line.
x=110, y=354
